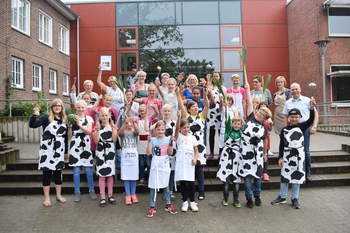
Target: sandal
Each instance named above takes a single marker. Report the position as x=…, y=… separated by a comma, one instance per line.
x=103, y=203
x=61, y=199
x=47, y=203
x=112, y=200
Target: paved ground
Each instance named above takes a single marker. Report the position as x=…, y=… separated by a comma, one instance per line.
x=323, y=210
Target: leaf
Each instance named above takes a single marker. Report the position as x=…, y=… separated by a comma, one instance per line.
x=266, y=83
x=71, y=119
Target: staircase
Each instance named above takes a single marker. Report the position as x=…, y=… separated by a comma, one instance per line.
x=329, y=168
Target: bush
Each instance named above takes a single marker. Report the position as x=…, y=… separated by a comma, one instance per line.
x=24, y=109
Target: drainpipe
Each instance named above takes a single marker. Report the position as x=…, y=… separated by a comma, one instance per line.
x=78, y=53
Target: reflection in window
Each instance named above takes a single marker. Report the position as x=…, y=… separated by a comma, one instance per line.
x=197, y=59
x=126, y=14
x=157, y=13
x=227, y=76
x=160, y=37
x=200, y=13
x=341, y=88
x=231, y=60
x=231, y=36
x=339, y=21
x=230, y=12
x=127, y=38
x=128, y=62
x=178, y=9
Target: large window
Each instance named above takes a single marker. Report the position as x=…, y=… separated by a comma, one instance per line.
x=200, y=12
x=36, y=78
x=230, y=12
x=340, y=76
x=339, y=21
x=17, y=72
x=128, y=62
x=20, y=15
x=127, y=14
x=157, y=13
x=65, y=84
x=52, y=81
x=64, y=40
x=45, y=28
x=127, y=38
x=231, y=36
x=231, y=60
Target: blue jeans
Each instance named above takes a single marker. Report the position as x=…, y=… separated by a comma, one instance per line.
x=284, y=190
x=89, y=177
x=252, y=186
x=307, y=135
x=171, y=182
x=130, y=187
x=166, y=195
x=144, y=162
x=199, y=174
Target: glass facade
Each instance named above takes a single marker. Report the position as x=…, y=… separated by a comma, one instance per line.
x=179, y=36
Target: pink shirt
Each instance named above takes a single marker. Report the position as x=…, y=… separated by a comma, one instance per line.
x=238, y=98
x=150, y=111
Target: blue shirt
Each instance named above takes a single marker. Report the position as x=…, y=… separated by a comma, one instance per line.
x=302, y=103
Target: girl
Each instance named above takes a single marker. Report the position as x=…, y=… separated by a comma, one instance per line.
x=53, y=147
x=105, y=135
x=197, y=127
x=186, y=160
x=239, y=95
x=196, y=97
x=129, y=159
x=170, y=96
x=230, y=159
x=80, y=155
x=153, y=104
x=159, y=148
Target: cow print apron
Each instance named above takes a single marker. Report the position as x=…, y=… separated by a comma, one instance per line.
x=252, y=149
x=105, y=153
x=129, y=164
x=293, y=170
x=52, y=146
x=80, y=147
x=197, y=129
x=230, y=161
x=214, y=114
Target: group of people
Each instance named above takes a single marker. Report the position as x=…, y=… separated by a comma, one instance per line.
x=155, y=134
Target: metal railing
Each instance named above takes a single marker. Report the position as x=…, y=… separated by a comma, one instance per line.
x=334, y=113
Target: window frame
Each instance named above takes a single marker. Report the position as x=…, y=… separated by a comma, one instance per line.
x=41, y=28
x=223, y=60
x=65, y=93
x=136, y=38
x=329, y=28
x=53, y=91
x=61, y=30
x=136, y=52
x=332, y=80
x=27, y=23
x=40, y=77
x=21, y=73
x=222, y=35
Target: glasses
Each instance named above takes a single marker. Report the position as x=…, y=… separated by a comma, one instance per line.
x=255, y=81
x=57, y=105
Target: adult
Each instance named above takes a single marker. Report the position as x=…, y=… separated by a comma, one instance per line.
x=88, y=86
x=191, y=81
x=238, y=94
x=279, y=98
x=302, y=103
x=112, y=89
x=153, y=104
x=257, y=91
x=140, y=87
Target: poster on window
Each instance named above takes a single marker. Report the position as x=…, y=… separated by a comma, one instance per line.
x=106, y=62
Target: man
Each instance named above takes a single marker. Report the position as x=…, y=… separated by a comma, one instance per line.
x=302, y=103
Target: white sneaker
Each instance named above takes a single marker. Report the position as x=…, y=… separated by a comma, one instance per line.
x=194, y=206
x=270, y=153
x=184, y=207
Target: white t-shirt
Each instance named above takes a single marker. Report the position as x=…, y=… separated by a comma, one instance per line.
x=186, y=143
x=117, y=98
x=171, y=98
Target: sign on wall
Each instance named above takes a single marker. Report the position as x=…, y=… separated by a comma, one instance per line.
x=106, y=62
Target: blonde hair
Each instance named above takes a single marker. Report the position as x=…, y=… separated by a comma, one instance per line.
x=281, y=78
x=105, y=110
x=80, y=102
x=172, y=80
x=141, y=72
x=191, y=76
x=107, y=95
x=88, y=82
x=167, y=106
x=165, y=74
x=229, y=97
x=236, y=76
x=62, y=114
x=267, y=112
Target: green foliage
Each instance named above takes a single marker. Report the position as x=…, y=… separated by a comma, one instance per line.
x=72, y=119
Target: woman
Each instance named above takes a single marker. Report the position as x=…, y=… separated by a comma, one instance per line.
x=280, y=98
x=88, y=86
x=140, y=87
x=256, y=92
x=239, y=95
x=53, y=147
x=192, y=81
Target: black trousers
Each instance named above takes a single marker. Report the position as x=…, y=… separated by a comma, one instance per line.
x=235, y=191
x=47, y=177
x=212, y=138
x=187, y=190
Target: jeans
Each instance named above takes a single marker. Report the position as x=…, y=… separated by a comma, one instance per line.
x=144, y=162
x=118, y=153
x=199, y=174
x=284, y=190
x=252, y=186
x=130, y=187
x=235, y=191
x=307, y=135
x=89, y=177
x=166, y=195
x=171, y=182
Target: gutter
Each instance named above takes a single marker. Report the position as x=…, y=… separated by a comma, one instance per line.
x=78, y=52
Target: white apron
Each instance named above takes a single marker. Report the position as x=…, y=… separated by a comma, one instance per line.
x=160, y=172
x=129, y=164
x=184, y=168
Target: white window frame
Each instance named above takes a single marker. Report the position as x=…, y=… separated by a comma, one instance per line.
x=63, y=35
x=17, y=73
x=16, y=17
x=37, y=77
x=329, y=28
x=65, y=84
x=335, y=104
x=52, y=81
x=42, y=28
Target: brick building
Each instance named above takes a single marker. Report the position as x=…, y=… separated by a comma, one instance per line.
x=34, y=47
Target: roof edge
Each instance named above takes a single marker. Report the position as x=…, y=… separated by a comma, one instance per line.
x=63, y=9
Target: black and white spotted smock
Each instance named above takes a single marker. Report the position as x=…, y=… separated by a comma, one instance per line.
x=170, y=131
x=292, y=152
x=80, y=147
x=197, y=126
x=214, y=114
x=230, y=161
x=252, y=148
x=105, y=153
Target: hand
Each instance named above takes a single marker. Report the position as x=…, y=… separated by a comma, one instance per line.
x=313, y=129
x=312, y=102
x=280, y=162
x=179, y=114
x=149, y=138
x=246, y=86
x=194, y=162
x=100, y=66
x=36, y=110
x=265, y=157
x=157, y=82
x=98, y=126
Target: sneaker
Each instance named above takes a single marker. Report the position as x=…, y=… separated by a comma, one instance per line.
x=308, y=177
x=171, y=209
x=270, y=153
x=194, y=206
x=103, y=203
x=151, y=211
x=250, y=203
x=92, y=195
x=201, y=197
x=224, y=203
x=134, y=199
x=266, y=177
x=278, y=200
x=257, y=201
x=237, y=204
x=184, y=207
x=295, y=204
x=172, y=196
x=77, y=197
x=142, y=182
x=112, y=200
x=127, y=200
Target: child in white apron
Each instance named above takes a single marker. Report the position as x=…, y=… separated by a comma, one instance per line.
x=159, y=148
x=128, y=134
x=186, y=160
x=105, y=136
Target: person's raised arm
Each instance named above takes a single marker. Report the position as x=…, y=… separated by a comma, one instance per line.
x=181, y=104
x=177, y=128
x=135, y=126
x=206, y=103
x=149, y=146
x=99, y=79
x=96, y=133
x=122, y=128
x=250, y=107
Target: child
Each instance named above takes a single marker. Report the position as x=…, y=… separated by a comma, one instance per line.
x=53, y=147
x=159, y=148
x=292, y=155
x=186, y=160
x=170, y=96
x=105, y=135
x=129, y=159
x=153, y=104
x=80, y=155
x=230, y=159
x=196, y=97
